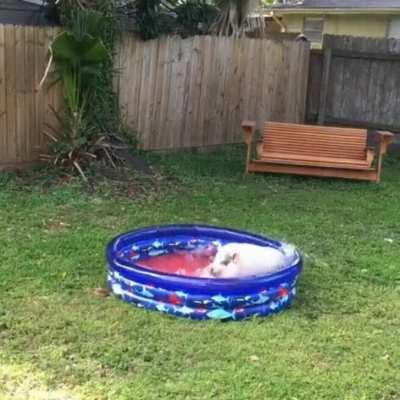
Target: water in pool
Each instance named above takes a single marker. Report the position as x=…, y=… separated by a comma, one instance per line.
x=233, y=260
x=188, y=263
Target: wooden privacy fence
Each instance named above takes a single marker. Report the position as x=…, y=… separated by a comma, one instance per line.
x=180, y=93
x=24, y=110
x=356, y=82
x=175, y=92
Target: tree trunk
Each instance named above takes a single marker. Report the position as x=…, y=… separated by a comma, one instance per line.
x=233, y=16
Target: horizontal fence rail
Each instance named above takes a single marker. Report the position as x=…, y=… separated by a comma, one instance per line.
x=356, y=82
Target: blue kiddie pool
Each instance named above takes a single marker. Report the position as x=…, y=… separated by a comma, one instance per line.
x=157, y=268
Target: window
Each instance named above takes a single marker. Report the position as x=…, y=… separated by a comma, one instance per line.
x=313, y=29
x=394, y=28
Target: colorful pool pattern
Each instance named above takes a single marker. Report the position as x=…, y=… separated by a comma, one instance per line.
x=191, y=297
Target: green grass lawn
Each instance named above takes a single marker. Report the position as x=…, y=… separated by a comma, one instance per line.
x=340, y=339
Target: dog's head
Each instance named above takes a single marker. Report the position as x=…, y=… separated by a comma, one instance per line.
x=224, y=261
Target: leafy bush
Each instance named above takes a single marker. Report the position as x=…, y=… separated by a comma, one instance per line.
x=77, y=54
x=195, y=17
x=90, y=125
x=154, y=18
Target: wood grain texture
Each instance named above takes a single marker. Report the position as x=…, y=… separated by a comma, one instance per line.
x=3, y=101
x=24, y=110
x=192, y=92
x=359, y=84
x=315, y=150
x=307, y=142
x=174, y=92
x=368, y=175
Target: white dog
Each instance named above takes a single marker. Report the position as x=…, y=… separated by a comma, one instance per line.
x=238, y=260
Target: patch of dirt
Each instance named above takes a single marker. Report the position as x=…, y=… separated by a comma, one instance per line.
x=53, y=225
x=131, y=177
x=101, y=292
x=136, y=162
x=127, y=182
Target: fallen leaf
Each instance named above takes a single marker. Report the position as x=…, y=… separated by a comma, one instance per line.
x=101, y=292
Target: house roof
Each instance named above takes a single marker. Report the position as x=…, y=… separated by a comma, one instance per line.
x=355, y=6
x=40, y=2
x=24, y=12
x=19, y=4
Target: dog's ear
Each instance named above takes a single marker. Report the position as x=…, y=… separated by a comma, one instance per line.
x=235, y=258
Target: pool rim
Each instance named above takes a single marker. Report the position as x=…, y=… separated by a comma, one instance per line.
x=136, y=273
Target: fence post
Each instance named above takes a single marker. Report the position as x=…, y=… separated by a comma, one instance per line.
x=324, y=85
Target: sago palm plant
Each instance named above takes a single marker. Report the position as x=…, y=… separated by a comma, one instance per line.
x=76, y=55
